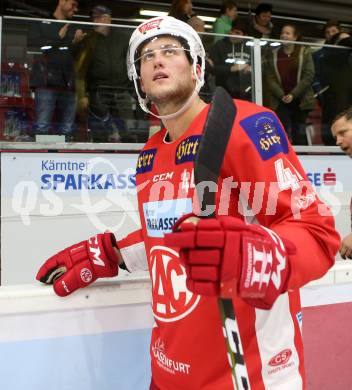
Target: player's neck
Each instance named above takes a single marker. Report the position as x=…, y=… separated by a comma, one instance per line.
x=177, y=126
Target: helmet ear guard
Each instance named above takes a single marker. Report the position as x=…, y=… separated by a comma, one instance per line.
x=165, y=26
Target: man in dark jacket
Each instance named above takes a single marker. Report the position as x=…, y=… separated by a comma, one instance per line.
x=232, y=62
x=336, y=70
x=52, y=76
x=341, y=129
x=260, y=25
x=102, y=85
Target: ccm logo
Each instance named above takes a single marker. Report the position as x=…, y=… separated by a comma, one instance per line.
x=281, y=358
x=94, y=249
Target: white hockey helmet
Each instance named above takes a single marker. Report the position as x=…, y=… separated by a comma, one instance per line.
x=164, y=25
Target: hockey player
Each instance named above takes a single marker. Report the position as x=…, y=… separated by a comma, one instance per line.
x=287, y=240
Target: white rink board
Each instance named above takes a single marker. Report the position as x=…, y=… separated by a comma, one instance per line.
x=38, y=220
x=97, y=338
x=337, y=194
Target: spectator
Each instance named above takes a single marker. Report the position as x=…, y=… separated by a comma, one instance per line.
x=52, y=77
x=232, y=62
x=331, y=28
x=208, y=88
x=223, y=24
x=181, y=9
x=289, y=74
x=197, y=24
x=342, y=132
x=336, y=70
x=102, y=82
x=260, y=26
x=319, y=85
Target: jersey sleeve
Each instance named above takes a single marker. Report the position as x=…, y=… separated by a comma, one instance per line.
x=274, y=191
x=133, y=252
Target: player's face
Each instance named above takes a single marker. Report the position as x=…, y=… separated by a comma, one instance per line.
x=342, y=132
x=166, y=74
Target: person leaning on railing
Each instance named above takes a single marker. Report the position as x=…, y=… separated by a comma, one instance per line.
x=52, y=75
x=223, y=24
x=181, y=9
x=232, y=62
x=101, y=79
x=288, y=76
x=336, y=70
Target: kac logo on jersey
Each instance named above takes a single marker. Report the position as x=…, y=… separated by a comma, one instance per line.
x=267, y=134
x=172, y=300
x=145, y=161
x=187, y=149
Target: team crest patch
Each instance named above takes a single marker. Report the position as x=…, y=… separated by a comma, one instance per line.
x=145, y=161
x=187, y=149
x=266, y=133
x=149, y=25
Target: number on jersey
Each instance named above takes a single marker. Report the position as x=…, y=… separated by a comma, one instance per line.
x=286, y=178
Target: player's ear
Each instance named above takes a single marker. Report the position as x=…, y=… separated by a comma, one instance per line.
x=198, y=70
x=141, y=84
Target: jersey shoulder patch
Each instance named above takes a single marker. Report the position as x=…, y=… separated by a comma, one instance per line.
x=187, y=149
x=145, y=161
x=266, y=133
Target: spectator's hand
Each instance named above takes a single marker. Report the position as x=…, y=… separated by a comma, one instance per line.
x=81, y=264
x=63, y=30
x=344, y=35
x=346, y=247
x=79, y=35
x=247, y=69
x=287, y=98
x=238, y=67
x=224, y=256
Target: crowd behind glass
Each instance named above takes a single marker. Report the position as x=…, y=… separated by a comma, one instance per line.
x=73, y=82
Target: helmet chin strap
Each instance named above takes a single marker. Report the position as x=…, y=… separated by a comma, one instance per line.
x=181, y=110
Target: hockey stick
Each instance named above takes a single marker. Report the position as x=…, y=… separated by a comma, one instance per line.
x=216, y=134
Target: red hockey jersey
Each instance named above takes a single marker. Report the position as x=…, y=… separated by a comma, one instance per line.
x=263, y=182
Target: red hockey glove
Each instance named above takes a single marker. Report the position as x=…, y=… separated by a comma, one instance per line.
x=81, y=264
x=224, y=255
